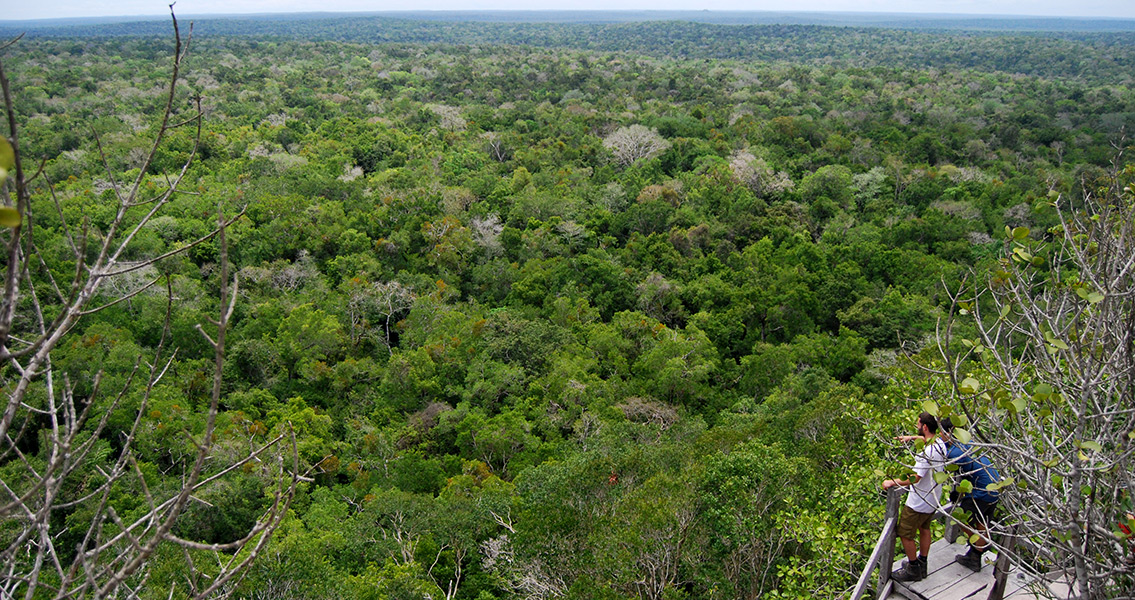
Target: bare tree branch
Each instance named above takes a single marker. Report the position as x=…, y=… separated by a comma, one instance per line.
x=70, y=471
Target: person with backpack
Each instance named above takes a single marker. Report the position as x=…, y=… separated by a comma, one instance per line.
x=980, y=503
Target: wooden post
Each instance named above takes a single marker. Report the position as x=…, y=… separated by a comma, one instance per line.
x=952, y=529
x=1001, y=569
x=887, y=558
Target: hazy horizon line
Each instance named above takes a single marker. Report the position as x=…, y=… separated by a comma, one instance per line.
x=506, y=11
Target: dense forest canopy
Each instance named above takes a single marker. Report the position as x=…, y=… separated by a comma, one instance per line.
x=555, y=309
x=1092, y=49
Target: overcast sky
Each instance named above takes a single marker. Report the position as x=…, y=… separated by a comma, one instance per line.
x=16, y=10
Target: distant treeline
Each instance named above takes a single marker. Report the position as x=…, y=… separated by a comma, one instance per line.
x=1094, y=56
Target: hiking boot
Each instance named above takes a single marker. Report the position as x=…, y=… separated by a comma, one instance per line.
x=920, y=564
x=910, y=571
x=970, y=560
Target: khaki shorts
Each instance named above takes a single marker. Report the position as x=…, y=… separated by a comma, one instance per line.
x=910, y=521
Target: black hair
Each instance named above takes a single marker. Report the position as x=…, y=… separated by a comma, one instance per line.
x=930, y=421
x=947, y=425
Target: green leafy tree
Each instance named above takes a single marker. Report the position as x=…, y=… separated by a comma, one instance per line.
x=743, y=492
x=306, y=335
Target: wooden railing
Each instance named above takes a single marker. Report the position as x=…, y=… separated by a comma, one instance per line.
x=883, y=556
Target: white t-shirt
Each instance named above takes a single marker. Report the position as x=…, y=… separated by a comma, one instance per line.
x=925, y=495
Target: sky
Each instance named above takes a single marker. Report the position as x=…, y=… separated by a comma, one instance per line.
x=15, y=10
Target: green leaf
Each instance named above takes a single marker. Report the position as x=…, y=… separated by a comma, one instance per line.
x=962, y=435
x=1008, y=481
x=1091, y=445
x=1051, y=463
x=961, y=420
x=941, y=477
x=7, y=155
x=969, y=385
x=1018, y=404
x=930, y=406
x=1095, y=298
x=1055, y=341
x=965, y=487
x=9, y=217
x=1057, y=480
x=1005, y=310
x=1020, y=233
x=967, y=343
x=974, y=538
x=1082, y=292
x=879, y=473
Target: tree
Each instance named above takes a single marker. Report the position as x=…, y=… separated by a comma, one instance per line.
x=758, y=176
x=634, y=143
x=742, y=492
x=374, y=305
x=82, y=514
x=1040, y=355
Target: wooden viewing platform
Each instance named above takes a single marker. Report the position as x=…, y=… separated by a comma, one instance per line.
x=947, y=580
x=998, y=579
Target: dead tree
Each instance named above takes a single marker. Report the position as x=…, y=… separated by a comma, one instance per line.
x=1039, y=352
x=49, y=432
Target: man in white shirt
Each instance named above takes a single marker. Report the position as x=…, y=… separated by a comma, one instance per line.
x=923, y=495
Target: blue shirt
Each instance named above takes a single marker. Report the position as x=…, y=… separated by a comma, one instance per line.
x=977, y=469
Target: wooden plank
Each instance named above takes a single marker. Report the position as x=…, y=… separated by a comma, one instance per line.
x=883, y=554
x=1022, y=585
x=942, y=579
x=952, y=530
x=887, y=558
x=942, y=555
x=1028, y=590
x=946, y=580
x=1027, y=593
x=935, y=563
x=965, y=587
x=902, y=590
x=865, y=577
x=1001, y=568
